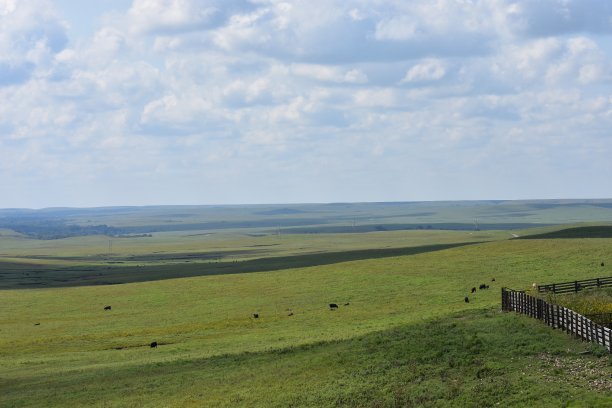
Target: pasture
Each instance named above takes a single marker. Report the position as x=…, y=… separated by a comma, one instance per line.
x=191, y=280
x=212, y=352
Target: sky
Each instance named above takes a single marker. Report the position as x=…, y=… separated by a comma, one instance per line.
x=152, y=102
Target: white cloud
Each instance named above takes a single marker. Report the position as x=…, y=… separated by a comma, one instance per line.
x=167, y=16
x=428, y=70
x=30, y=36
x=330, y=73
x=557, y=61
x=397, y=28
x=317, y=93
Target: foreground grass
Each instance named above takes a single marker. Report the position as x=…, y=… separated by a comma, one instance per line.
x=476, y=358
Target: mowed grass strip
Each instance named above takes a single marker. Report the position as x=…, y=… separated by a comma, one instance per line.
x=479, y=358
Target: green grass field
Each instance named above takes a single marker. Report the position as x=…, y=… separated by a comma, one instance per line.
x=406, y=337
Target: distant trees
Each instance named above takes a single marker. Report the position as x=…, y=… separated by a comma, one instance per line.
x=41, y=228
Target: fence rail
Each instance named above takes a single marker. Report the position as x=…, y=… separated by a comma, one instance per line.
x=575, y=286
x=556, y=316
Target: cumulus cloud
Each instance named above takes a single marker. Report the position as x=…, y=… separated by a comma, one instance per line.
x=30, y=36
x=176, y=16
x=330, y=73
x=428, y=70
x=314, y=93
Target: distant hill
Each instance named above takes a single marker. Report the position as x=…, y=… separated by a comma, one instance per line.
x=53, y=223
x=281, y=211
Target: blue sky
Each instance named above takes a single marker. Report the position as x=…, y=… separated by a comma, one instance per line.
x=236, y=101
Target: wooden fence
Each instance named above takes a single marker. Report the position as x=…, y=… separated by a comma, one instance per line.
x=575, y=286
x=556, y=316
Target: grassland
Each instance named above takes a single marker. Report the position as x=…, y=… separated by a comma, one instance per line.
x=402, y=336
x=91, y=260
x=405, y=338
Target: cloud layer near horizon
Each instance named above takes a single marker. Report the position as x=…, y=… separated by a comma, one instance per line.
x=179, y=101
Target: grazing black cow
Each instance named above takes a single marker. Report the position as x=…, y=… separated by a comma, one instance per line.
x=36, y=324
x=493, y=280
x=474, y=289
x=256, y=315
x=466, y=299
x=154, y=344
x=346, y=304
x=602, y=264
x=482, y=286
x=333, y=306
x=107, y=308
x=290, y=314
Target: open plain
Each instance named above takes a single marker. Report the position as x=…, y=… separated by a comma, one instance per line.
x=402, y=334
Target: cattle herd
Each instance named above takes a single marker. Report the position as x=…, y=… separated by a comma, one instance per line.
x=482, y=286
x=334, y=306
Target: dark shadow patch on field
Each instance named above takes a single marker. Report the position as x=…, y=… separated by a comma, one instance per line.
x=577, y=232
x=509, y=215
x=20, y=275
x=189, y=256
x=155, y=257
x=587, y=204
x=339, y=229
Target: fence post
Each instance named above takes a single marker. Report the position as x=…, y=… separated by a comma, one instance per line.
x=528, y=305
x=557, y=316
